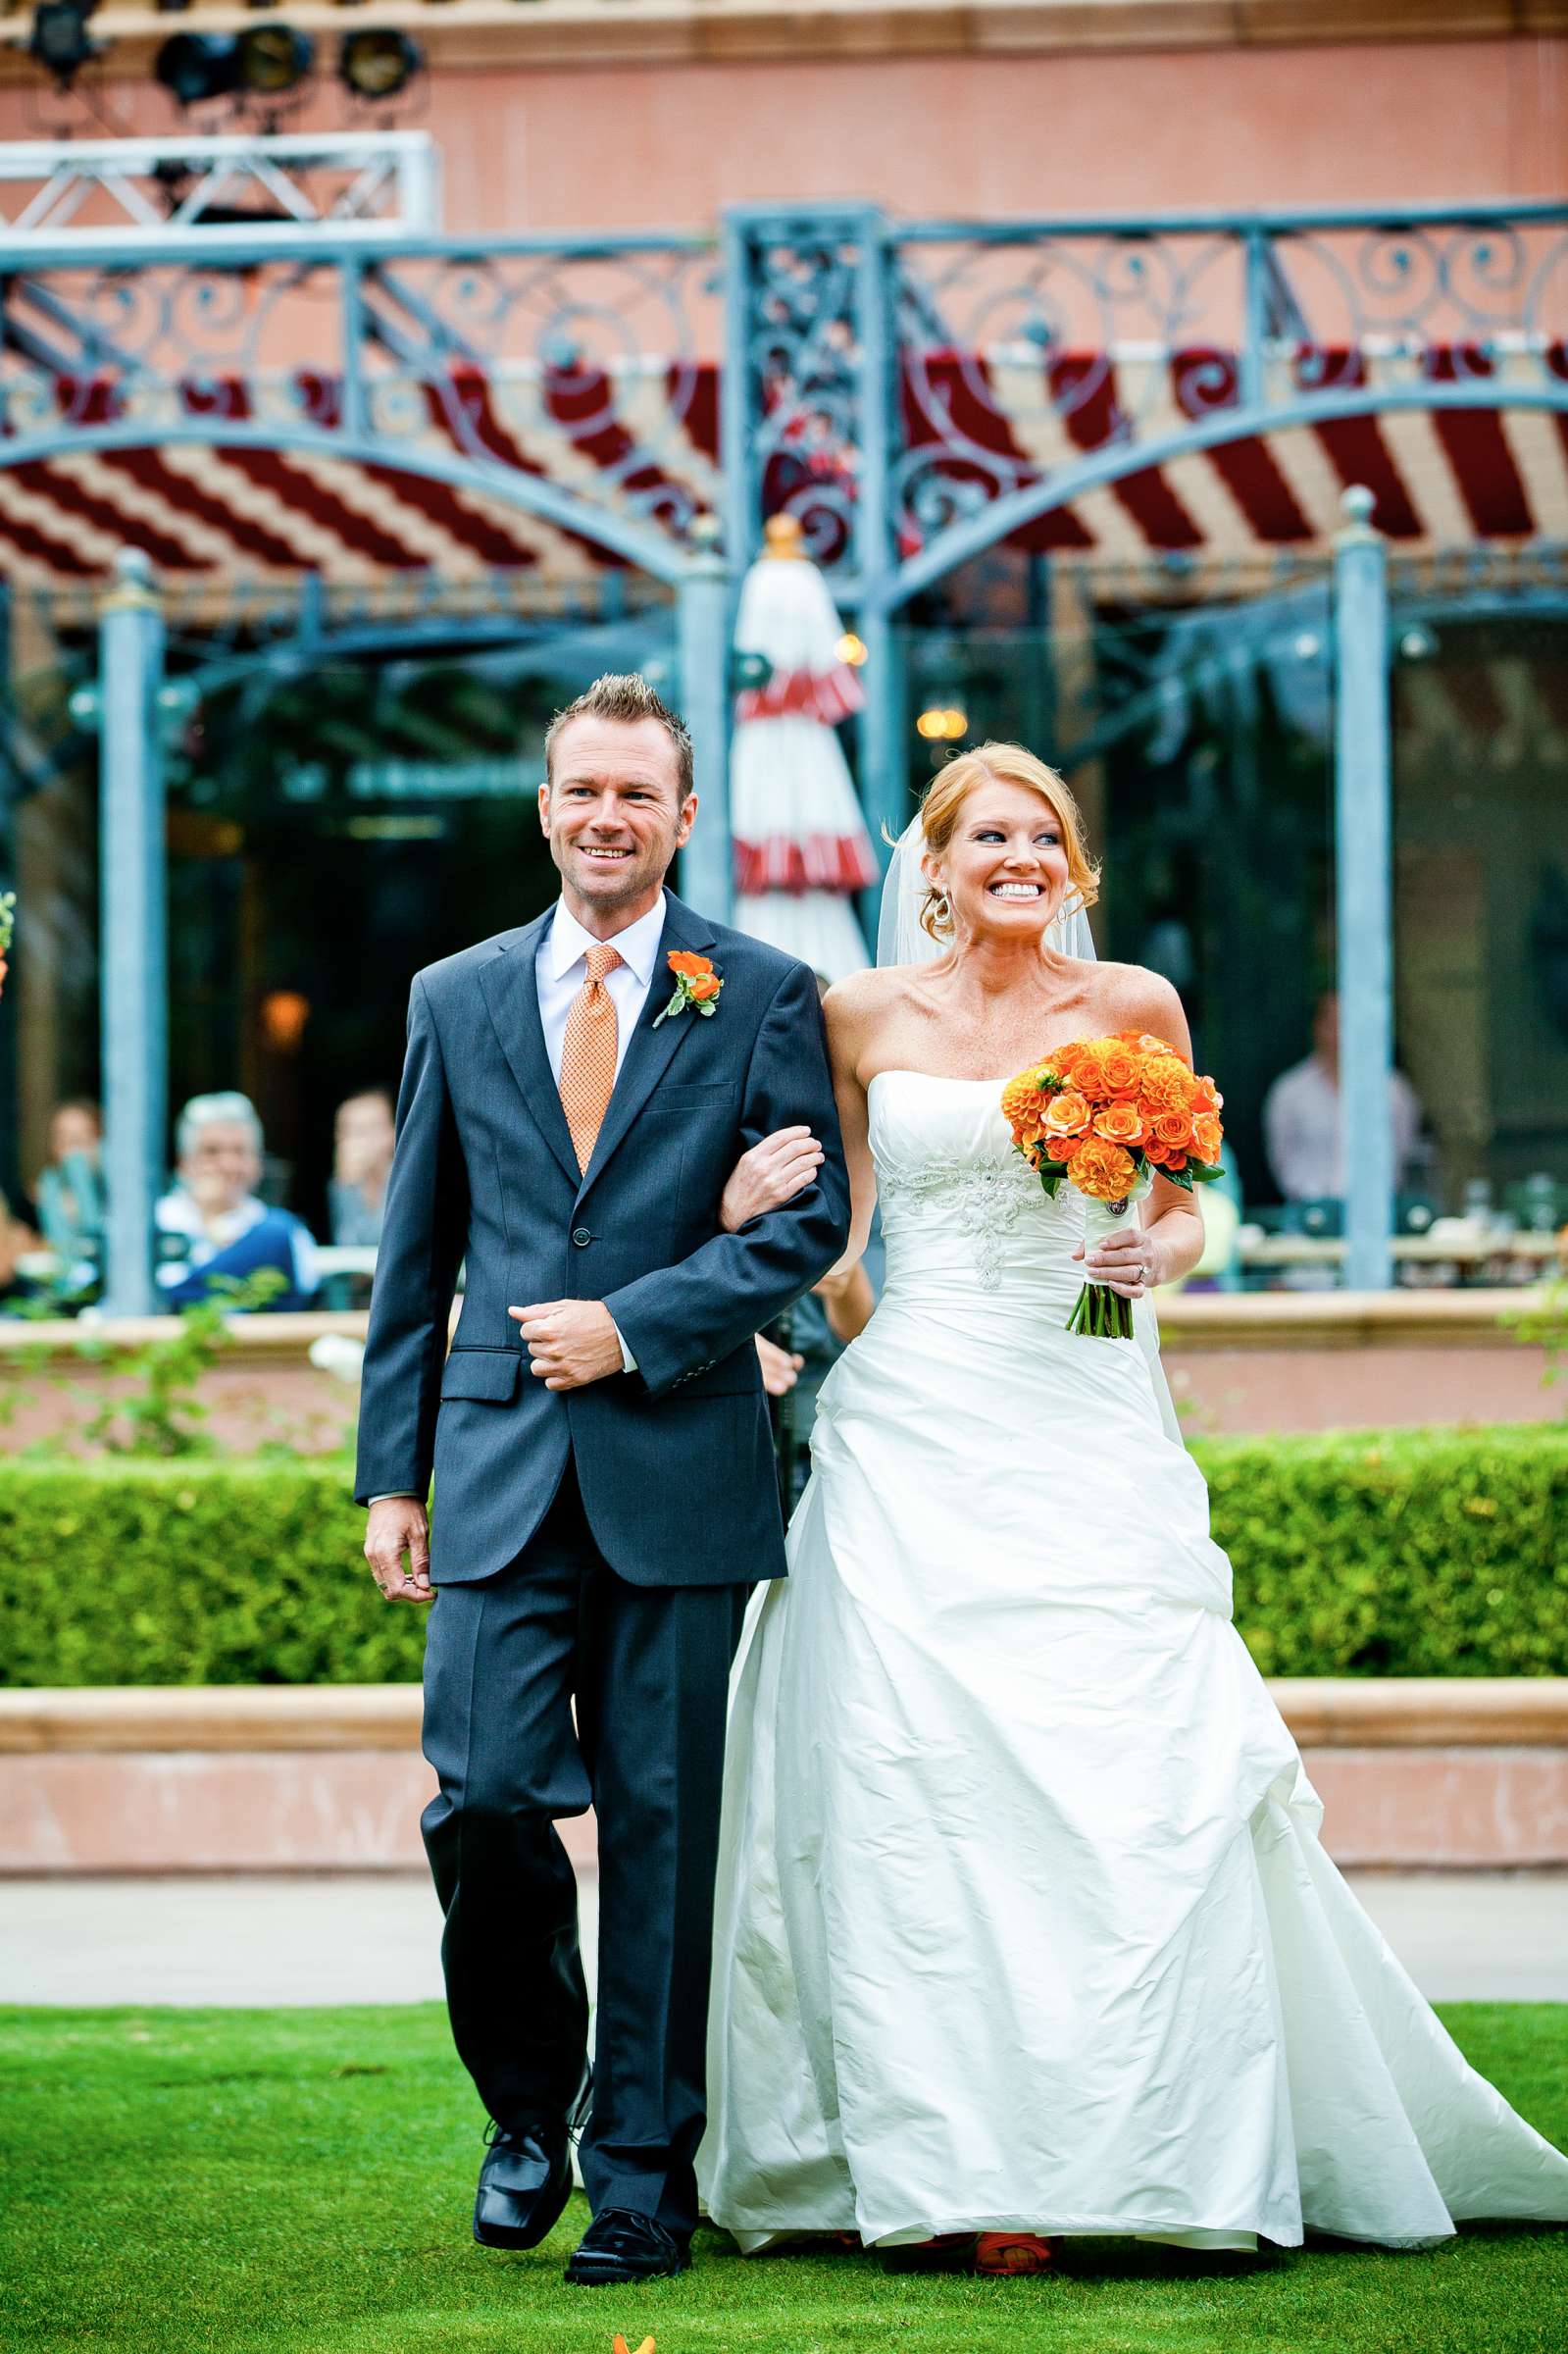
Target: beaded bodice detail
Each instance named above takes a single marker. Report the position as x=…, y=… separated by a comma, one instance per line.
x=986, y=1202
x=957, y=1202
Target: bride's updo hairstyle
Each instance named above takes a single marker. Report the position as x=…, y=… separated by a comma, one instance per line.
x=1001, y=764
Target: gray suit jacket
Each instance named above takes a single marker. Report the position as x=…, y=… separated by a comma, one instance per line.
x=675, y=1461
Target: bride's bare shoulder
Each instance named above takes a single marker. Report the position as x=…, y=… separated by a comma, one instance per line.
x=1134, y=996
x=861, y=1003
x=860, y=997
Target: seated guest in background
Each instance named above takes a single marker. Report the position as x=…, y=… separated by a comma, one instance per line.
x=1301, y=1118
x=211, y=1224
x=363, y=1137
x=71, y=1191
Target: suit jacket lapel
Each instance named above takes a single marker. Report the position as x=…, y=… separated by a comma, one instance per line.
x=512, y=990
x=651, y=1048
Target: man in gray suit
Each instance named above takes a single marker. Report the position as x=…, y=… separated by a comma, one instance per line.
x=573, y=1105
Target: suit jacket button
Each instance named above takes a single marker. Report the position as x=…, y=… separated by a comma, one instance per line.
x=582, y=1237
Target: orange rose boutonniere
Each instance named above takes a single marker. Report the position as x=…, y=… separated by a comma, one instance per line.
x=696, y=985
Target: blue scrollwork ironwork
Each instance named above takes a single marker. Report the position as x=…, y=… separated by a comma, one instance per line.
x=913, y=392
x=1037, y=360
x=794, y=375
x=567, y=376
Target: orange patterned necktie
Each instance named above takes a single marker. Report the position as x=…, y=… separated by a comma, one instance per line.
x=587, y=1054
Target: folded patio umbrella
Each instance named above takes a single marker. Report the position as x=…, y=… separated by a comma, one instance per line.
x=801, y=847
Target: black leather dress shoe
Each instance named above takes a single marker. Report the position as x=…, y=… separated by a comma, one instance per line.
x=525, y=2183
x=619, y=2245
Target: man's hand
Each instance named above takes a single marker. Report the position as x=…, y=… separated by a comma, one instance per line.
x=780, y=1369
x=569, y=1342
x=398, y=1526
x=771, y=1174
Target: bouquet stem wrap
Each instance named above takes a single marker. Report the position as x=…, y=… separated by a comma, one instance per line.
x=1098, y=1312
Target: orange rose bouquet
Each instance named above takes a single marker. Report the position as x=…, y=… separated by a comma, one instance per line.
x=1104, y=1114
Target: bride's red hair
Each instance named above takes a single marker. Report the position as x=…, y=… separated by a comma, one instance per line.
x=1001, y=764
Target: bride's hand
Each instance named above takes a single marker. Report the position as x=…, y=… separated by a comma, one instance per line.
x=1128, y=1261
x=771, y=1174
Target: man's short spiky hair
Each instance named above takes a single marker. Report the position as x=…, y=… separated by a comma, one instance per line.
x=624, y=695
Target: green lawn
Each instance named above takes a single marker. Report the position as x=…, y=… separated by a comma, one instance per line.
x=176, y=2182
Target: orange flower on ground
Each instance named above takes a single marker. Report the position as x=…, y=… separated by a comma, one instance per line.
x=1208, y=1137
x=1120, y=1122
x=1066, y=1115
x=1102, y=1170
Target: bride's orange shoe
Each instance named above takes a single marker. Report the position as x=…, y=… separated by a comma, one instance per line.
x=998, y=2252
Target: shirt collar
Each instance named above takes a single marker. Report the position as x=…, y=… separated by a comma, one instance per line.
x=176, y=1213
x=638, y=945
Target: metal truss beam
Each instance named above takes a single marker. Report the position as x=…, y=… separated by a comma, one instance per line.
x=369, y=185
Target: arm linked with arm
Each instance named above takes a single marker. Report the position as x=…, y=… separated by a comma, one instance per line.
x=423, y=1234
x=678, y=1320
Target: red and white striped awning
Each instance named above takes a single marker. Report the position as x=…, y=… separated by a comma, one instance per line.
x=1444, y=479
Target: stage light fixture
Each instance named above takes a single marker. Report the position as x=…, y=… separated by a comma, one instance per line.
x=377, y=62
x=60, y=41
x=195, y=66
x=274, y=59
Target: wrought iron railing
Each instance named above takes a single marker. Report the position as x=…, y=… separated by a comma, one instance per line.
x=563, y=375
x=933, y=385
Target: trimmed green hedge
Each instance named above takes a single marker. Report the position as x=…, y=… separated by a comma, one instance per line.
x=1398, y=1553
x=1413, y=1552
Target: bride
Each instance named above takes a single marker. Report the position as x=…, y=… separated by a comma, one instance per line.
x=1023, y=1923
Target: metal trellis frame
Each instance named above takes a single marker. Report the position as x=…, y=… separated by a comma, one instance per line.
x=861, y=361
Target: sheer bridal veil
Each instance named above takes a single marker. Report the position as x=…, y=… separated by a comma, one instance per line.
x=901, y=939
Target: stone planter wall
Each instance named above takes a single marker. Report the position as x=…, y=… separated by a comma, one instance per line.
x=1456, y=1773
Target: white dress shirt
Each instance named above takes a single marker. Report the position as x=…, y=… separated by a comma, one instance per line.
x=563, y=967
x=560, y=970
x=1301, y=1134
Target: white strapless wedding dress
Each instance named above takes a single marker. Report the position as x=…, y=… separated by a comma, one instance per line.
x=1023, y=1921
